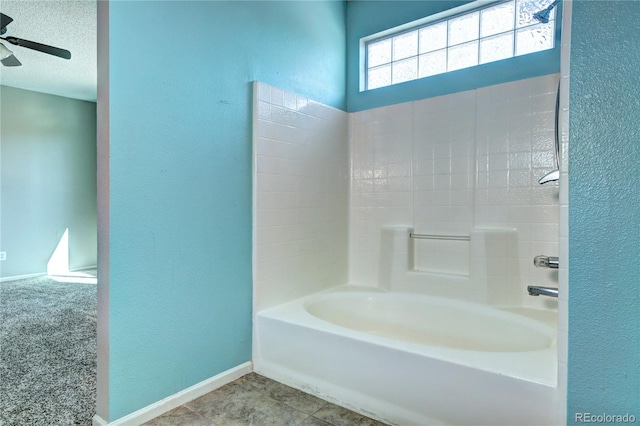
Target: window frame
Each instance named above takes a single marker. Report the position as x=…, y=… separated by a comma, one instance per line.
x=445, y=16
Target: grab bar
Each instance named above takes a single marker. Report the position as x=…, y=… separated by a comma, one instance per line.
x=439, y=237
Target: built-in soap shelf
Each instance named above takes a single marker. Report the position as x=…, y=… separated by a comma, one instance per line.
x=488, y=275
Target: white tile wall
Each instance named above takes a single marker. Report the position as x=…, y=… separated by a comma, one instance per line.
x=381, y=183
x=442, y=165
x=301, y=187
x=444, y=129
x=563, y=277
x=445, y=165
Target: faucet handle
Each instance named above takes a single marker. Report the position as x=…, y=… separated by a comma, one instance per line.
x=542, y=261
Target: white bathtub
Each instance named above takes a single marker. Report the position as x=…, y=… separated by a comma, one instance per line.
x=414, y=360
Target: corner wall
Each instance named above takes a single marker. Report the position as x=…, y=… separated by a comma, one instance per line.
x=48, y=175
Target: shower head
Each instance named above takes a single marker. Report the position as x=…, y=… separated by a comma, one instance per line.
x=543, y=15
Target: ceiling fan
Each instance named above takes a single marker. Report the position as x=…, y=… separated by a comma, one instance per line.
x=6, y=55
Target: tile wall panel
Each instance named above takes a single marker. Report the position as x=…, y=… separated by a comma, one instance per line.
x=470, y=159
x=301, y=186
x=381, y=183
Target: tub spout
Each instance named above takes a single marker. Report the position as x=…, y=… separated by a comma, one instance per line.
x=535, y=290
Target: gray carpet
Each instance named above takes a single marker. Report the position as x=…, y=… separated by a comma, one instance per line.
x=47, y=352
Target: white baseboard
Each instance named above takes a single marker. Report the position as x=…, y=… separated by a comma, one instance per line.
x=169, y=403
x=83, y=268
x=42, y=274
x=22, y=277
x=98, y=421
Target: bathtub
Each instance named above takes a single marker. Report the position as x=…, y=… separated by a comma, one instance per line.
x=409, y=359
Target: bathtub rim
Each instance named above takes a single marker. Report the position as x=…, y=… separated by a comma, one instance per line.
x=536, y=366
x=542, y=328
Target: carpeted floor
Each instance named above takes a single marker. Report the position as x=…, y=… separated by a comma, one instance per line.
x=48, y=351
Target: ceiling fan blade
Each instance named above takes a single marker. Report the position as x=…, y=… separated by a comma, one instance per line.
x=4, y=20
x=55, y=51
x=11, y=61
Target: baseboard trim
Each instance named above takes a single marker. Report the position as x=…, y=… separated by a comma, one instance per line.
x=84, y=268
x=43, y=274
x=98, y=421
x=169, y=403
x=22, y=277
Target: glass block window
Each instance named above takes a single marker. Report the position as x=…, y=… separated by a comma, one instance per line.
x=498, y=31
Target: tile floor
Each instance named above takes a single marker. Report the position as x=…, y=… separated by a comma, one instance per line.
x=256, y=400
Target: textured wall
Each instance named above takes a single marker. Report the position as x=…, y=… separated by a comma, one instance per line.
x=604, y=207
x=48, y=180
x=180, y=178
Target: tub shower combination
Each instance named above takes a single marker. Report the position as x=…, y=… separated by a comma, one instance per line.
x=415, y=347
x=414, y=359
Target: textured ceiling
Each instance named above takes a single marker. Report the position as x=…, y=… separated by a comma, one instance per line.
x=68, y=24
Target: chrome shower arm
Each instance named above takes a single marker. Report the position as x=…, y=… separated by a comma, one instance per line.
x=554, y=175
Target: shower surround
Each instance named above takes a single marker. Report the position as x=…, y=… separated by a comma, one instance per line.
x=449, y=164
x=331, y=186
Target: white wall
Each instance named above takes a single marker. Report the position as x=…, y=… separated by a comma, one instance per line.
x=300, y=196
x=447, y=164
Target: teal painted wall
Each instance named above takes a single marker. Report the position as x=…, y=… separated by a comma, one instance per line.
x=180, y=283
x=180, y=239
x=48, y=175
x=369, y=17
x=604, y=210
